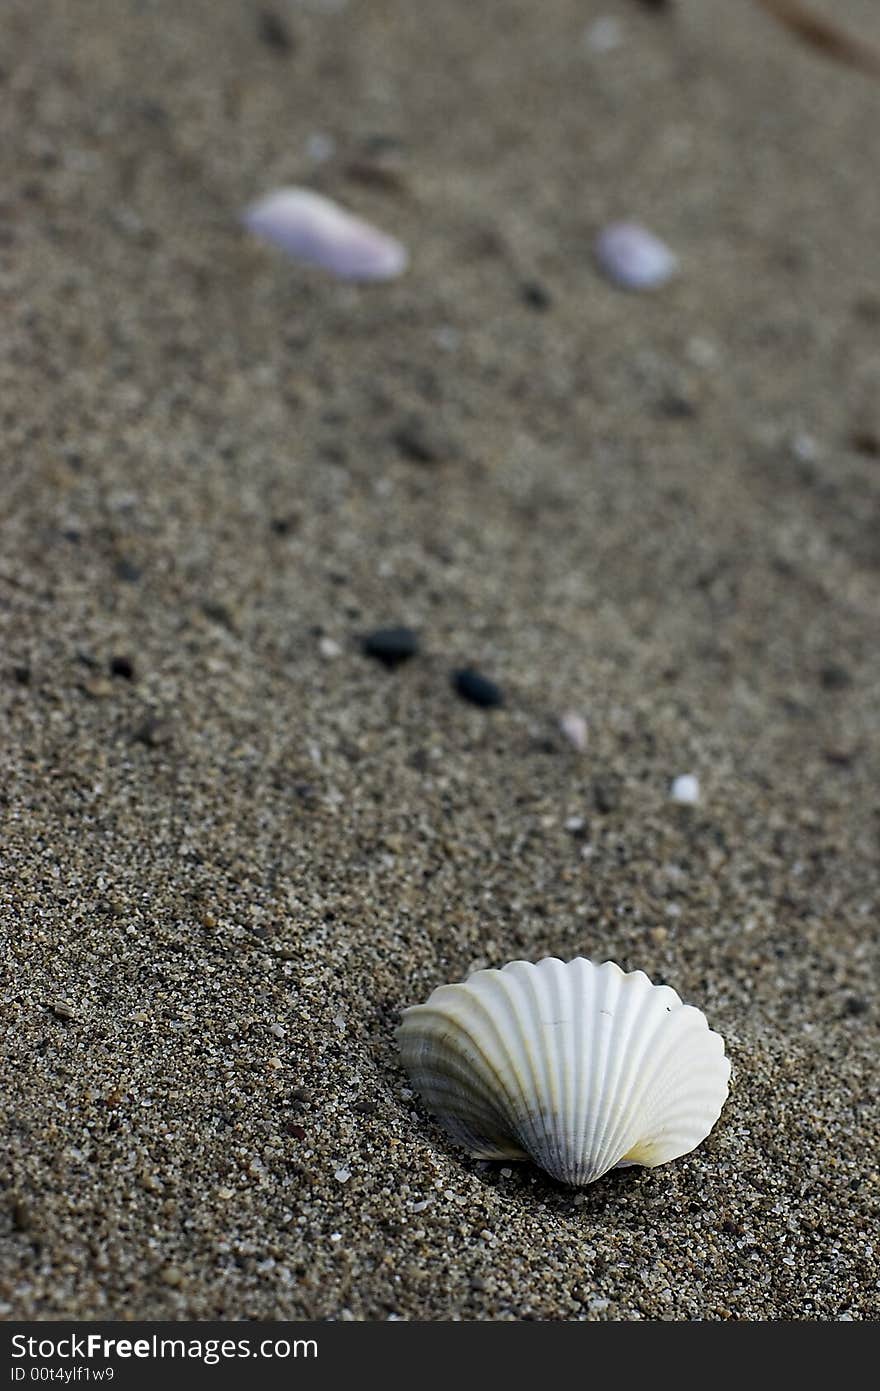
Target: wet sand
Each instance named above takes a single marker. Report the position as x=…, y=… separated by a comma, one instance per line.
x=232, y=846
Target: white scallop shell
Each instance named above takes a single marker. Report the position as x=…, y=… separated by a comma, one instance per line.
x=314, y=229
x=576, y=1066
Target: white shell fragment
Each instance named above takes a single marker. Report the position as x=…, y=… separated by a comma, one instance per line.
x=633, y=258
x=578, y=1067
x=574, y=727
x=685, y=789
x=314, y=229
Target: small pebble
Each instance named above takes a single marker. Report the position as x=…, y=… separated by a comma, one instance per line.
x=329, y=649
x=574, y=824
x=319, y=232
x=633, y=258
x=422, y=441
x=342, y=1175
x=391, y=646
x=536, y=295
x=274, y=32
x=122, y=666
x=479, y=690
x=606, y=795
x=685, y=789
x=574, y=727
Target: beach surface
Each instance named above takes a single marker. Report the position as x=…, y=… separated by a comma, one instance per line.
x=233, y=846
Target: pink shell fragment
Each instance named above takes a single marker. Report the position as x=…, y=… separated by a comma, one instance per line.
x=315, y=230
x=633, y=258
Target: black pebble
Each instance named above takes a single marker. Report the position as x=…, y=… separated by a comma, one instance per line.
x=122, y=666
x=834, y=677
x=606, y=796
x=422, y=441
x=274, y=32
x=855, y=1005
x=479, y=690
x=536, y=295
x=391, y=645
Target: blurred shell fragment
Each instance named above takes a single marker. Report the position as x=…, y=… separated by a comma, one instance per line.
x=574, y=727
x=578, y=1067
x=313, y=229
x=633, y=258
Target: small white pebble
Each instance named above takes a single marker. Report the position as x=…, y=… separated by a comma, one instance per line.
x=506, y=1173
x=574, y=727
x=317, y=231
x=685, y=789
x=420, y=1207
x=633, y=258
x=339, y=1021
x=278, y=1030
x=329, y=649
x=336, y=1236
x=604, y=34
x=575, y=823
x=405, y=1093
x=342, y=1175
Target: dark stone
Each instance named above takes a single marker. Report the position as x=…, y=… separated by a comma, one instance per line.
x=122, y=666
x=676, y=406
x=866, y=441
x=391, y=646
x=365, y=1108
x=127, y=571
x=421, y=442
x=22, y=674
x=606, y=795
x=834, y=677
x=274, y=32
x=479, y=690
x=295, y=1131
x=536, y=295
x=855, y=1005
x=153, y=732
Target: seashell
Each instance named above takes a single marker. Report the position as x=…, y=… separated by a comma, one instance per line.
x=314, y=229
x=581, y=1068
x=633, y=257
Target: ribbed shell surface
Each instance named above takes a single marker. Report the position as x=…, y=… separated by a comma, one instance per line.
x=577, y=1066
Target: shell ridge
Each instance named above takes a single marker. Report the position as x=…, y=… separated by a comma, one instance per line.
x=602, y=1101
x=500, y=1057
x=671, y=1062
x=656, y=1007
x=523, y=1119
x=477, y=1073
x=626, y=1023
x=533, y=982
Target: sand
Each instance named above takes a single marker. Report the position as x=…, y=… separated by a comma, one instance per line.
x=232, y=846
